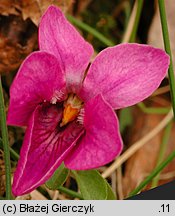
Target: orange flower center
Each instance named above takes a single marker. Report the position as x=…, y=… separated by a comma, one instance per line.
x=72, y=107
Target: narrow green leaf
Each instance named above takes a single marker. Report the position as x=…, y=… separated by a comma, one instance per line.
x=13, y=154
x=110, y=193
x=5, y=141
x=91, y=184
x=136, y=21
x=91, y=30
x=166, y=39
x=153, y=110
x=162, y=151
x=156, y=171
x=69, y=192
x=58, y=178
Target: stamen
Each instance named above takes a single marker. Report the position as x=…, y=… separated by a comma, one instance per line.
x=80, y=117
x=57, y=96
x=74, y=101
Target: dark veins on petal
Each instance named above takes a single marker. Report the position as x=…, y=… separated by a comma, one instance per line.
x=49, y=140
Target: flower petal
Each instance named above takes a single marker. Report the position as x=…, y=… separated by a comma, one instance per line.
x=37, y=79
x=44, y=148
x=101, y=142
x=59, y=37
x=126, y=74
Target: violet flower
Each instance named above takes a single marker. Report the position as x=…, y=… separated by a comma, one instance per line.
x=70, y=116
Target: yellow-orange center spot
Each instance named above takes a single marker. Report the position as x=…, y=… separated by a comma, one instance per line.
x=72, y=107
x=69, y=114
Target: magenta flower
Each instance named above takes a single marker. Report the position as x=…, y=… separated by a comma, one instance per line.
x=70, y=117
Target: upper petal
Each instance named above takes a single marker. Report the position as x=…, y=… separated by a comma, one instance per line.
x=126, y=74
x=59, y=37
x=44, y=148
x=38, y=78
x=101, y=142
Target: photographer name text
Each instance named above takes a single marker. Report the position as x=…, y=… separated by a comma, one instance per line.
x=54, y=208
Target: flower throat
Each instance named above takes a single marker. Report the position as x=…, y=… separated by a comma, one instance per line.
x=72, y=106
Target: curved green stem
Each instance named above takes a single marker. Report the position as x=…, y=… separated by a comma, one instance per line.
x=136, y=22
x=168, y=50
x=5, y=144
x=91, y=30
x=13, y=153
x=158, y=169
x=162, y=151
x=70, y=192
x=153, y=110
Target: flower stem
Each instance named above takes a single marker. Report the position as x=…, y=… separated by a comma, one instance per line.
x=91, y=30
x=70, y=192
x=168, y=50
x=5, y=144
x=13, y=153
x=158, y=169
x=136, y=21
x=162, y=151
x=153, y=110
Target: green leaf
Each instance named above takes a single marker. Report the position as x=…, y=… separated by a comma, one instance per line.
x=91, y=184
x=110, y=193
x=58, y=178
x=13, y=154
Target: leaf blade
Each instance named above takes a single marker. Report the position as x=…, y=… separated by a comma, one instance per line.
x=91, y=185
x=58, y=178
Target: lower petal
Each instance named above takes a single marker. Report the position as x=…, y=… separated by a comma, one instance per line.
x=102, y=141
x=44, y=148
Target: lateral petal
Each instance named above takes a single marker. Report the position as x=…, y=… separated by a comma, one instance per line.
x=38, y=78
x=59, y=37
x=126, y=74
x=102, y=141
x=44, y=149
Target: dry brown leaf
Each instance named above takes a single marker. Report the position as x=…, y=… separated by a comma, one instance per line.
x=23, y=197
x=36, y=195
x=145, y=159
x=18, y=38
x=8, y=7
x=32, y=9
